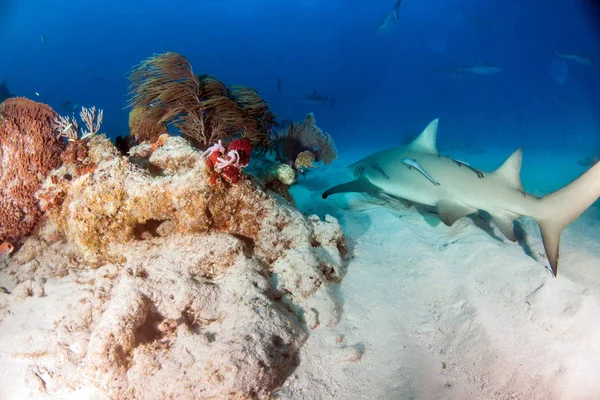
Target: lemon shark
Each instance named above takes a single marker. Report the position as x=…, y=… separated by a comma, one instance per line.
x=419, y=174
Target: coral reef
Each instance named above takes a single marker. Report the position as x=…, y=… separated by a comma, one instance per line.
x=197, y=291
x=300, y=145
x=103, y=208
x=165, y=90
x=29, y=149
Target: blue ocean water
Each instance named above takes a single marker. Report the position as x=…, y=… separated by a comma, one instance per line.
x=498, y=75
x=387, y=84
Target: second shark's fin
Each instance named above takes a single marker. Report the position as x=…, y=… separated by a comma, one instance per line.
x=504, y=222
x=426, y=141
x=450, y=211
x=510, y=171
x=360, y=185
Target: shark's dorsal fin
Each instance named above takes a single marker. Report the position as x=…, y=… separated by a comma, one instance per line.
x=425, y=142
x=510, y=170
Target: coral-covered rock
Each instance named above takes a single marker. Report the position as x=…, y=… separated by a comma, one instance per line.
x=29, y=149
x=197, y=291
x=107, y=206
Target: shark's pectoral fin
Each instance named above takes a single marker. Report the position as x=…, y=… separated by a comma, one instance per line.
x=450, y=211
x=504, y=222
x=360, y=185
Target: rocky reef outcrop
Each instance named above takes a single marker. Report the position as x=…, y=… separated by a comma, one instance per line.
x=164, y=285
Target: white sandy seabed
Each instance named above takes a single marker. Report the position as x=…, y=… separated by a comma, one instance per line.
x=460, y=312
x=431, y=312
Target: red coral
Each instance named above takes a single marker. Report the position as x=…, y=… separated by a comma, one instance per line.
x=244, y=148
x=231, y=174
x=236, y=157
x=29, y=149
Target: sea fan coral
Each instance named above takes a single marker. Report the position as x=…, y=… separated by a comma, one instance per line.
x=29, y=148
x=295, y=143
x=257, y=112
x=200, y=107
x=143, y=128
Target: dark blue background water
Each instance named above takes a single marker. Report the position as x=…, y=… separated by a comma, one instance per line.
x=386, y=85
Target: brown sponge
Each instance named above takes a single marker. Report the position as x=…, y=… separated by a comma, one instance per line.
x=29, y=148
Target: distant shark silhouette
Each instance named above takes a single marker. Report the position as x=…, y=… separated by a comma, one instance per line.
x=576, y=57
x=389, y=19
x=418, y=173
x=478, y=69
x=316, y=98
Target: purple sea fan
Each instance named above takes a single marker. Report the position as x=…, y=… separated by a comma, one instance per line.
x=290, y=139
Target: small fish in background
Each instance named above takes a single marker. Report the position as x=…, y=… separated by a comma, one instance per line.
x=575, y=57
x=43, y=41
x=98, y=79
x=279, y=85
x=478, y=69
x=316, y=98
x=389, y=18
x=69, y=105
x=5, y=249
x=37, y=94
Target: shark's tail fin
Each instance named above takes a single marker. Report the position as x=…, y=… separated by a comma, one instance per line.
x=559, y=209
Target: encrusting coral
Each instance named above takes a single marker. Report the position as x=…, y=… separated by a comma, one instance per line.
x=198, y=291
x=29, y=149
x=164, y=90
x=105, y=206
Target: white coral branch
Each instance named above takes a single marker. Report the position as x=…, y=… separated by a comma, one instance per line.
x=67, y=127
x=92, y=120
